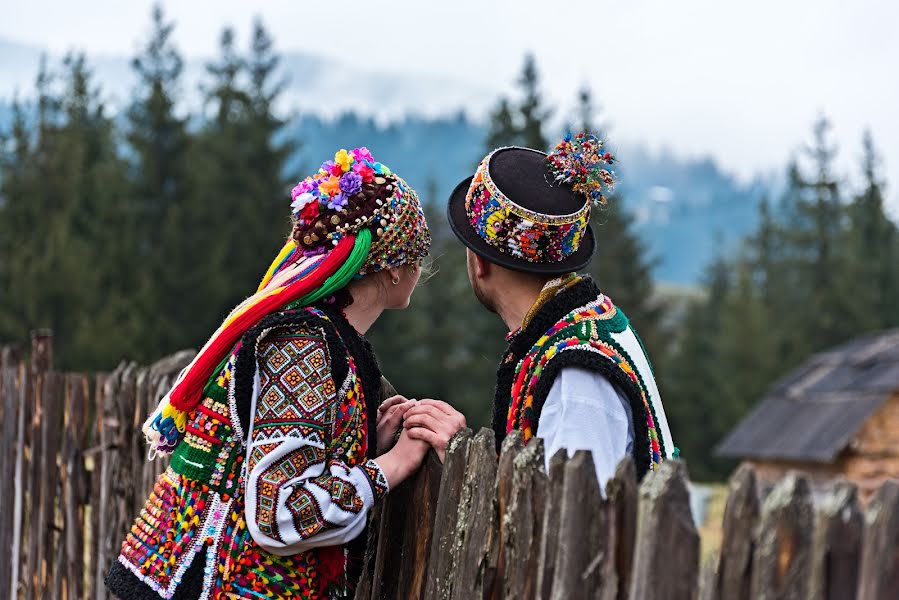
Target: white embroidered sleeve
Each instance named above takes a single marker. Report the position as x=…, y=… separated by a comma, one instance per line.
x=297, y=496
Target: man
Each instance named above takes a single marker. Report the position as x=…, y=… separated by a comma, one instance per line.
x=575, y=372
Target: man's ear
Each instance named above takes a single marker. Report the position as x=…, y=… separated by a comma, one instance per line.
x=482, y=266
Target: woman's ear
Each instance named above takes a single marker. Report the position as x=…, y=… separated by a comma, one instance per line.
x=394, y=275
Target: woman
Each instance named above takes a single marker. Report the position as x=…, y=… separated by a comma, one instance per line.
x=278, y=450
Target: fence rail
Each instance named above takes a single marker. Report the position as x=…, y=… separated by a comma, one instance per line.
x=478, y=526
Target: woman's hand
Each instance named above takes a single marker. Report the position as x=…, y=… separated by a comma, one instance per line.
x=390, y=419
x=403, y=459
x=434, y=422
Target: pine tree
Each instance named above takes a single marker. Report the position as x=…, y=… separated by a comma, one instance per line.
x=873, y=245
x=502, y=130
x=159, y=141
x=520, y=124
x=533, y=112
x=698, y=377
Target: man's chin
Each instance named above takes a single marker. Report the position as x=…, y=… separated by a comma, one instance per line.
x=485, y=301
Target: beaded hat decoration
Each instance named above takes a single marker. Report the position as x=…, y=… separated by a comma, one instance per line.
x=578, y=161
x=354, y=192
x=532, y=236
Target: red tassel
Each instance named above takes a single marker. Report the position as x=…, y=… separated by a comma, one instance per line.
x=331, y=565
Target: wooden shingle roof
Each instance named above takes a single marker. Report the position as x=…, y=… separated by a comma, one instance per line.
x=813, y=413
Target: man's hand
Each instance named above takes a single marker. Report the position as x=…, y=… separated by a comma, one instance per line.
x=390, y=417
x=434, y=422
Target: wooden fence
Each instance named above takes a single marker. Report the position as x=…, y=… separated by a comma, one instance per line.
x=475, y=527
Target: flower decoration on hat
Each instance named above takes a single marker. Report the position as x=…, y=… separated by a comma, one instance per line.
x=581, y=162
x=352, y=192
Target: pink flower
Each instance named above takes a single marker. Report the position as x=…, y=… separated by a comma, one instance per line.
x=362, y=154
x=364, y=171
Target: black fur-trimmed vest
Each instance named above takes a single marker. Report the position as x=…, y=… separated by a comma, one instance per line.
x=580, y=327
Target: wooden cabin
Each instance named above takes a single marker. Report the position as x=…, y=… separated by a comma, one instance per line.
x=835, y=416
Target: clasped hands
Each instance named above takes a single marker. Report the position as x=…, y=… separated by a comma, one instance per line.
x=424, y=423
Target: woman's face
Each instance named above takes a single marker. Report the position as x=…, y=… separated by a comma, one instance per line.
x=399, y=295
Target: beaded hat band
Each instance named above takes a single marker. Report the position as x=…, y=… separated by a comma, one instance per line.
x=517, y=231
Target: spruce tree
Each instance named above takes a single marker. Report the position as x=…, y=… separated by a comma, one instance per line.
x=160, y=184
x=534, y=113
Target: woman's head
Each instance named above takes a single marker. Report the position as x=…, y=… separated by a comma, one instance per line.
x=354, y=192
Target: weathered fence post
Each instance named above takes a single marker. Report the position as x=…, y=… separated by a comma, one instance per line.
x=41, y=350
x=666, y=557
x=404, y=543
x=621, y=492
x=784, y=542
x=549, y=542
x=523, y=524
x=74, y=479
x=512, y=446
x=583, y=533
x=879, y=577
x=474, y=547
x=741, y=514
x=9, y=418
x=440, y=573
x=837, y=548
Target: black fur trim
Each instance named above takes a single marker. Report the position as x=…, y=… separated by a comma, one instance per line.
x=592, y=361
x=125, y=585
x=560, y=305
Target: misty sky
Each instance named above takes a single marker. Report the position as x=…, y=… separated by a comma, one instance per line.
x=742, y=81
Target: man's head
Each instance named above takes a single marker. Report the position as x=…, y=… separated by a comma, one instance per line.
x=524, y=216
x=495, y=286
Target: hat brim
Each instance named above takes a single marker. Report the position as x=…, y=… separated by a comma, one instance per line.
x=461, y=226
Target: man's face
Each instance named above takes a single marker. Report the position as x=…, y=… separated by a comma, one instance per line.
x=478, y=285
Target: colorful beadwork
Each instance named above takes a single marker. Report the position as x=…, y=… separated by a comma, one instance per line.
x=401, y=233
x=197, y=510
x=578, y=161
x=585, y=329
x=515, y=230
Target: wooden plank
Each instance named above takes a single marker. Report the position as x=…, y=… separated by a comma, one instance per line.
x=364, y=587
x=708, y=579
x=105, y=518
x=583, y=533
x=96, y=494
x=440, y=573
x=41, y=350
x=474, y=549
x=512, y=446
x=741, y=514
x=33, y=525
x=51, y=426
x=549, y=542
x=73, y=492
x=879, y=576
x=783, y=547
x=621, y=492
x=405, y=538
x=20, y=478
x=837, y=547
x=522, y=525
x=666, y=560
x=8, y=420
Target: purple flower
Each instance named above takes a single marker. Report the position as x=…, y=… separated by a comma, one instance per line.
x=350, y=183
x=338, y=201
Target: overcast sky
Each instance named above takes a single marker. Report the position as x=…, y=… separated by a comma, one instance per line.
x=742, y=81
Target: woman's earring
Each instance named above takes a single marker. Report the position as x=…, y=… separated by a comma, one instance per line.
x=395, y=280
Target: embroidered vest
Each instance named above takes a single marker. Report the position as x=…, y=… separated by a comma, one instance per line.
x=580, y=327
x=191, y=538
